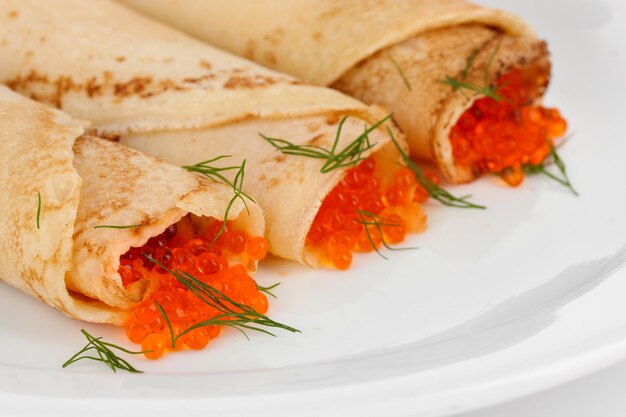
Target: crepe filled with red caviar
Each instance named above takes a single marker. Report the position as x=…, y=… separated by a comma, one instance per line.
x=464, y=82
x=78, y=208
x=323, y=166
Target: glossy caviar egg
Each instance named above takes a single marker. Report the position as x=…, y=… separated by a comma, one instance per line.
x=154, y=345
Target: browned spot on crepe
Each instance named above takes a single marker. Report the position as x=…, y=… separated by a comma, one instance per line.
x=333, y=119
x=270, y=58
x=248, y=82
x=249, y=51
x=275, y=37
x=312, y=127
x=197, y=80
x=132, y=87
x=317, y=140
x=142, y=86
x=274, y=182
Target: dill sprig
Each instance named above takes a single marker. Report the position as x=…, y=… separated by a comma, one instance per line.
x=167, y=321
x=110, y=226
x=351, y=155
x=553, y=159
x=233, y=314
x=268, y=290
x=211, y=171
x=370, y=219
x=215, y=173
x=238, y=193
x=488, y=90
x=105, y=353
x=433, y=190
x=468, y=63
x=38, y=208
x=405, y=80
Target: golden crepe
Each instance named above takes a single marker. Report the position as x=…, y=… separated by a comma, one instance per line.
x=61, y=184
x=171, y=96
x=388, y=52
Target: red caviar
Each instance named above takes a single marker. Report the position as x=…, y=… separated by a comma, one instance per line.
x=503, y=136
x=220, y=265
x=337, y=230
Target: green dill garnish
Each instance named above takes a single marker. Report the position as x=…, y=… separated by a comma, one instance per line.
x=237, y=185
x=468, y=64
x=552, y=159
x=105, y=354
x=233, y=314
x=210, y=171
x=405, y=80
x=268, y=290
x=108, y=226
x=167, y=321
x=351, y=155
x=433, y=190
x=370, y=219
x=215, y=173
x=38, y=208
x=488, y=90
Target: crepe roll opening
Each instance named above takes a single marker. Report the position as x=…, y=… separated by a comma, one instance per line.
x=217, y=254
x=191, y=236
x=127, y=199
x=504, y=133
x=368, y=208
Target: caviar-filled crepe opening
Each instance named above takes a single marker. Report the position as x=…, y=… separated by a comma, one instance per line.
x=125, y=288
x=365, y=211
x=504, y=135
x=220, y=256
x=502, y=128
x=127, y=198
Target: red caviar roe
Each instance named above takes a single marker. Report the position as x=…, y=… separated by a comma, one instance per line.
x=220, y=265
x=503, y=136
x=337, y=230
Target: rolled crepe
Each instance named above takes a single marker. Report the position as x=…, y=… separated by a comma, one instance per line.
x=168, y=95
x=387, y=52
x=60, y=184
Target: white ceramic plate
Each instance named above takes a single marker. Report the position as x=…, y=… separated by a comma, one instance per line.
x=494, y=304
